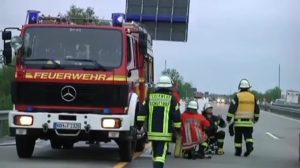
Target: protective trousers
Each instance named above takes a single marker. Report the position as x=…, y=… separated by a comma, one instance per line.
x=220, y=138
x=217, y=137
x=238, y=139
x=159, y=153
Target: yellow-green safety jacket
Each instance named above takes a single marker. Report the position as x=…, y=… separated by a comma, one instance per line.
x=243, y=109
x=162, y=115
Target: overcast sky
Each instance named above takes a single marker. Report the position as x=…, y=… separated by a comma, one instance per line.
x=228, y=40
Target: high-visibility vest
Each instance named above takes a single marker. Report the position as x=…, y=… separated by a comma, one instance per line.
x=159, y=117
x=246, y=106
x=245, y=112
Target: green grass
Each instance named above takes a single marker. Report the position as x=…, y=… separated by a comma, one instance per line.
x=4, y=128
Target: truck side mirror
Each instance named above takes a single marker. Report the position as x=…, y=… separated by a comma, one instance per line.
x=6, y=35
x=143, y=42
x=16, y=43
x=7, y=53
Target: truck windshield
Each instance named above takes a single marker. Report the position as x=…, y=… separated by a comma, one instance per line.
x=67, y=46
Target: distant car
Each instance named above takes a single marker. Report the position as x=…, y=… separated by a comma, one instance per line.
x=221, y=100
x=279, y=101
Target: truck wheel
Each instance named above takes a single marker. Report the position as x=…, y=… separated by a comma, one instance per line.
x=55, y=144
x=126, y=150
x=25, y=146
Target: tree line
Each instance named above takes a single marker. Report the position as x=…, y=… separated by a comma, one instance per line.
x=186, y=89
x=6, y=77
x=269, y=95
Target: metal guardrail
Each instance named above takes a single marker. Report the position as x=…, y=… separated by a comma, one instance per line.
x=283, y=110
x=294, y=106
x=4, y=115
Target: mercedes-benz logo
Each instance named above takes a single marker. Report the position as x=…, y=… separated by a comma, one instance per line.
x=68, y=93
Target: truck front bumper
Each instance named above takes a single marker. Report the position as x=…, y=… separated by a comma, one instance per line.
x=47, y=125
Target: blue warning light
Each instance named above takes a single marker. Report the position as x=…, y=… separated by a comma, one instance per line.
x=118, y=19
x=32, y=16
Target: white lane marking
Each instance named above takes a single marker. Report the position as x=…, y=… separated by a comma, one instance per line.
x=271, y=135
x=281, y=116
x=7, y=144
x=39, y=143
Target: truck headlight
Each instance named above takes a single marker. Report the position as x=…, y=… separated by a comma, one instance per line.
x=111, y=123
x=23, y=120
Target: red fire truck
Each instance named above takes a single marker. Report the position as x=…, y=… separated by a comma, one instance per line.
x=78, y=82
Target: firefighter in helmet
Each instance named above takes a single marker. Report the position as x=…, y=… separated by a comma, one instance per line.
x=162, y=115
x=201, y=100
x=193, y=129
x=244, y=111
x=214, y=136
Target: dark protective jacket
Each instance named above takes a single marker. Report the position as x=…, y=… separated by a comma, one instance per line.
x=243, y=109
x=162, y=115
x=215, y=122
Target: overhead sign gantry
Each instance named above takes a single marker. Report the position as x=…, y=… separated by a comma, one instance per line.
x=164, y=19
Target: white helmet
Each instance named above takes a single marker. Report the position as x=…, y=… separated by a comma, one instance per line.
x=193, y=105
x=244, y=84
x=164, y=82
x=207, y=106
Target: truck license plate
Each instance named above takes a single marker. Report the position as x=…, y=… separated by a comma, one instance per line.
x=20, y=131
x=66, y=125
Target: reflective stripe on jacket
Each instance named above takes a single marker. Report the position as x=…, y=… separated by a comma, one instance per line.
x=162, y=114
x=192, y=129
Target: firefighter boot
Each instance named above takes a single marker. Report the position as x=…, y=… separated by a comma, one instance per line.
x=220, y=151
x=238, y=151
x=208, y=154
x=249, y=149
x=158, y=165
x=220, y=144
x=187, y=154
x=201, y=152
x=193, y=155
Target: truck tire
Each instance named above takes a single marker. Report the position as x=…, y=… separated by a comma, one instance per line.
x=126, y=150
x=25, y=146
x=140, y=143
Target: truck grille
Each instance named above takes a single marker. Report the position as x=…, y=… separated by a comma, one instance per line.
x=62, y=94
